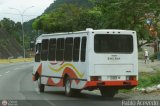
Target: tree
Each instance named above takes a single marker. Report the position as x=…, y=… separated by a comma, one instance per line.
x=7, y=24
x=105, y=14
x=128, y=14
x=92, y=18
x=60, y=20
x=78, y=3
x=14, y=29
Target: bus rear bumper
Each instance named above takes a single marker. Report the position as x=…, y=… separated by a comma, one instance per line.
x=119, y=84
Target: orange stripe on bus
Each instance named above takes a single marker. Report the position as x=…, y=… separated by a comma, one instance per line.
x=39, y=70
x=59, y=84
x=68, y=71
x=111, y=83
x=33, y=78
x=50, y=82
x=71, y=74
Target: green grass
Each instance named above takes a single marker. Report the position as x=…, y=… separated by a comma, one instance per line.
x=148, y=79
x=5, y=61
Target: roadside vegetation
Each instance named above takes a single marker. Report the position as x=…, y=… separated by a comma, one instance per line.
x=102, y=14
x=75, y=15
x=147, y=79
x=6, y=61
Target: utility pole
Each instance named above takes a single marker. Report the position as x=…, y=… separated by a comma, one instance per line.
x=21, y=13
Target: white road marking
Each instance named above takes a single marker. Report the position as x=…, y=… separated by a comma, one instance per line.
x=49, y=102
x=16, y=68
x=7, y=72
x=23, y=66
x=36, y=87
x=37, y=90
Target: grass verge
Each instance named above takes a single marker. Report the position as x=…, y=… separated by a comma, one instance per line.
x=5, y=61
x=148, y=79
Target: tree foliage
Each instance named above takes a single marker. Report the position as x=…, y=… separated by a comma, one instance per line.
x=14, y=29
x=103, y=14
x=78, y=3
x=127, y=14
x=68, y=17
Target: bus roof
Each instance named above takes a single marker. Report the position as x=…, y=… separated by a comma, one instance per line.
x=39, y=39
x=55, y=34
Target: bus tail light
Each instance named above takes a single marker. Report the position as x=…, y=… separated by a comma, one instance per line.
x=95, y=78
x=130, y=77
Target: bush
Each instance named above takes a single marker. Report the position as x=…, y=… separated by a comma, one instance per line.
x=148, y=79
x=156, y=78
x=153, y=57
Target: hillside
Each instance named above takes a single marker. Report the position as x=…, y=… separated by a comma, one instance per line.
x=57, y=3
x=52, y=7
x=9, y=46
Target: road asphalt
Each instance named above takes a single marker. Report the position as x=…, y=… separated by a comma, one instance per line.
x=17, y=87
x=149, y=66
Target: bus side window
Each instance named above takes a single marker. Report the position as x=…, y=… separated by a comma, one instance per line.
x=76, y=49
x=44, y=51
x=68, y=49
x=83, y=49
x=52, y=50
x=38, y=51
x=60, y=49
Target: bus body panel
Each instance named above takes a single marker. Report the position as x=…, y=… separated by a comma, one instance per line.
x=57, y=71
x=53, y=72
x=112, y=68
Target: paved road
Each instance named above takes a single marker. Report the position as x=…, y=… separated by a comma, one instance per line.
x=149, y=67
x=16, y=84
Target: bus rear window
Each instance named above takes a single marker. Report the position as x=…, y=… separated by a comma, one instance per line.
x=105, y=43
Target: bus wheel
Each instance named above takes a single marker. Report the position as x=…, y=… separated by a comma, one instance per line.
x=40, y=86
x=108, y=92
x=68, y=89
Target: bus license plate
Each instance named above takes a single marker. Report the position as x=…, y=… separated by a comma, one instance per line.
x=113, y=77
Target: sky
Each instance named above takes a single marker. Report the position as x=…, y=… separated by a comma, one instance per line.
x=31, y=8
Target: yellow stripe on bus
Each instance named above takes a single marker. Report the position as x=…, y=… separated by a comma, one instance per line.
x=66, y=65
